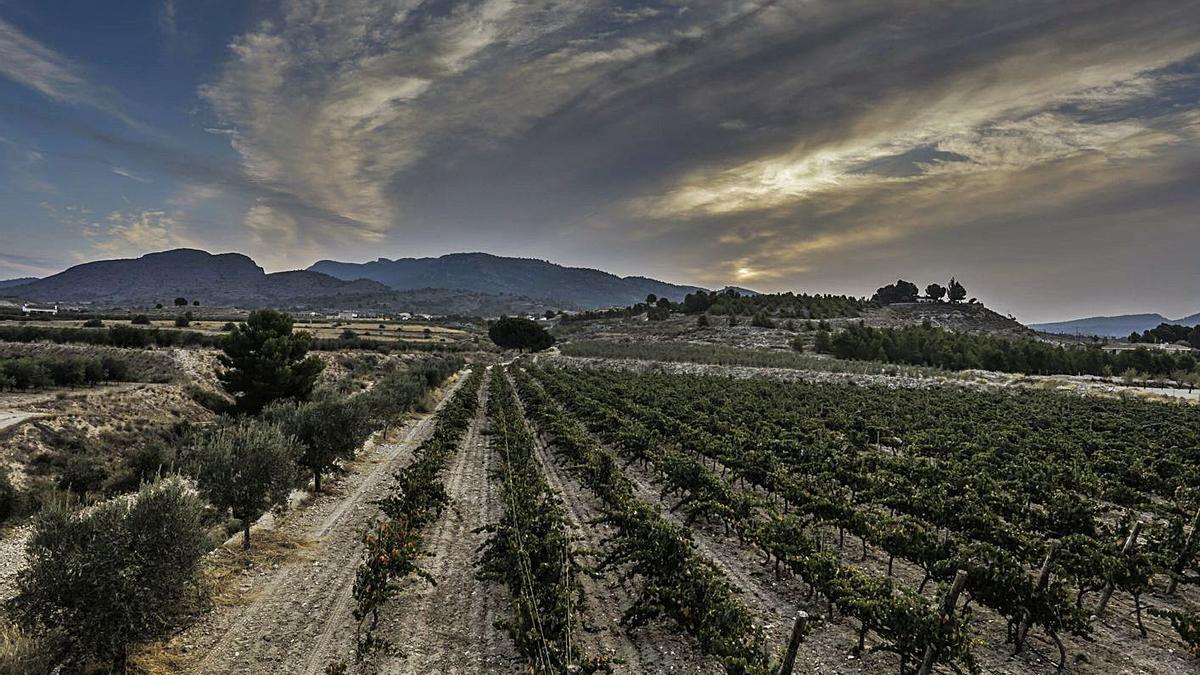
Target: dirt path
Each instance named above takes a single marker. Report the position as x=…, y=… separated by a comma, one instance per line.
x=293, y=612
x=654, y=648
x=449, y=628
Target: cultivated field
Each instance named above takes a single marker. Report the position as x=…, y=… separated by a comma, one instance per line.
x=652, y=523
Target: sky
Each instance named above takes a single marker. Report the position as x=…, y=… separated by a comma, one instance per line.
x=1047, y=154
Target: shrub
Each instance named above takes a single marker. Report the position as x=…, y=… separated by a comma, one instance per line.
x=83, y=473
x=9, y=498
x=211, y=400
x=520, y=334
x=114, y=575
x=182, y=321
x=93, y=323
x=140, y=320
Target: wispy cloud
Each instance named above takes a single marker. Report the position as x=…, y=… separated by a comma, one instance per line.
x=27, y=61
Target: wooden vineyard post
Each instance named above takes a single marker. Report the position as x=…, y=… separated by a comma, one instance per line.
x=1183, y=559
x=1108, y=587
x=1042, y=582
x=798, y=632
x=947, y=612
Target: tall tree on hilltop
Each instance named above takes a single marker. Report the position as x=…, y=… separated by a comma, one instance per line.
x=956, y=291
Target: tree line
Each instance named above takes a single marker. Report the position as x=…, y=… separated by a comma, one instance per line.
x=38, y=372
x=906, y=291
x=927, y=345
x=1168, y=333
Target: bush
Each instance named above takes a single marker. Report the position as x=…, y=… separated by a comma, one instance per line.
x=140, y=320
x=182, y=321
x=9, y=498
x=114, y=575
x=93, y=323
x=209, y=399
x=83, y=473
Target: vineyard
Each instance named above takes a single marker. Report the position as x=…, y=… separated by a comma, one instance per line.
x=762, y=527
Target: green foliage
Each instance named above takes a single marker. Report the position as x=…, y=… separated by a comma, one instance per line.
x=181, y=302
x=702, y=321
x=114, y=575
x=394, y=544
x=935, y=291
x=329, y=430
x=265, y=361
x=93, y=323
x=761, y=320
x=182, y=321
x=926, y=345
x=243, y=466
x=901, y=291
x=520, y=334
x=529, y=549
x=59, y=370
x=140, y=320
x=955, y=291
x=678, y=352
x=1168, y=333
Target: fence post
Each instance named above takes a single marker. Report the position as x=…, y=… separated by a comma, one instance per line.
x=799, y=629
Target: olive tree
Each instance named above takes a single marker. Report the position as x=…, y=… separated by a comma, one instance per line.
x=113, y=575
x=245, y=467
x=329, y=430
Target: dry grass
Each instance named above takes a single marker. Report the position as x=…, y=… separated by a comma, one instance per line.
x=230, y=564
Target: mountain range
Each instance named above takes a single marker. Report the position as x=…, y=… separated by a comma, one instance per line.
x=1113, y=326
x=575, y=287
x=463, y=283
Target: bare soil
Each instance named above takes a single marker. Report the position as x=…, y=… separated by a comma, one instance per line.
x=450, y=627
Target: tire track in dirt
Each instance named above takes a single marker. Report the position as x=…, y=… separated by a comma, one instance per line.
x=450, y=627
x=287, y=627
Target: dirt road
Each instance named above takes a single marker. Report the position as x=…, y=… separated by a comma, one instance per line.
x=450, y=628
x=294, y=614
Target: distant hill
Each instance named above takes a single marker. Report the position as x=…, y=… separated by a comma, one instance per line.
x=9, y=283
x=577, y=287
x=234, y=280
x=1112, y=326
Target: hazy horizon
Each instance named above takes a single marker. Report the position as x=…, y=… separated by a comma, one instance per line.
x=1046, y=154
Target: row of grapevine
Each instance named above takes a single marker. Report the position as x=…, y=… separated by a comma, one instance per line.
x=529, y=549
x=394, y=543
x=958, y=508
x=678, y=582
x=906, y=623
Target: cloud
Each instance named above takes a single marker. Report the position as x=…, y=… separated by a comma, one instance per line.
x=133, y=232
x=345, y=105
x=28, y=62
x=130, y=175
